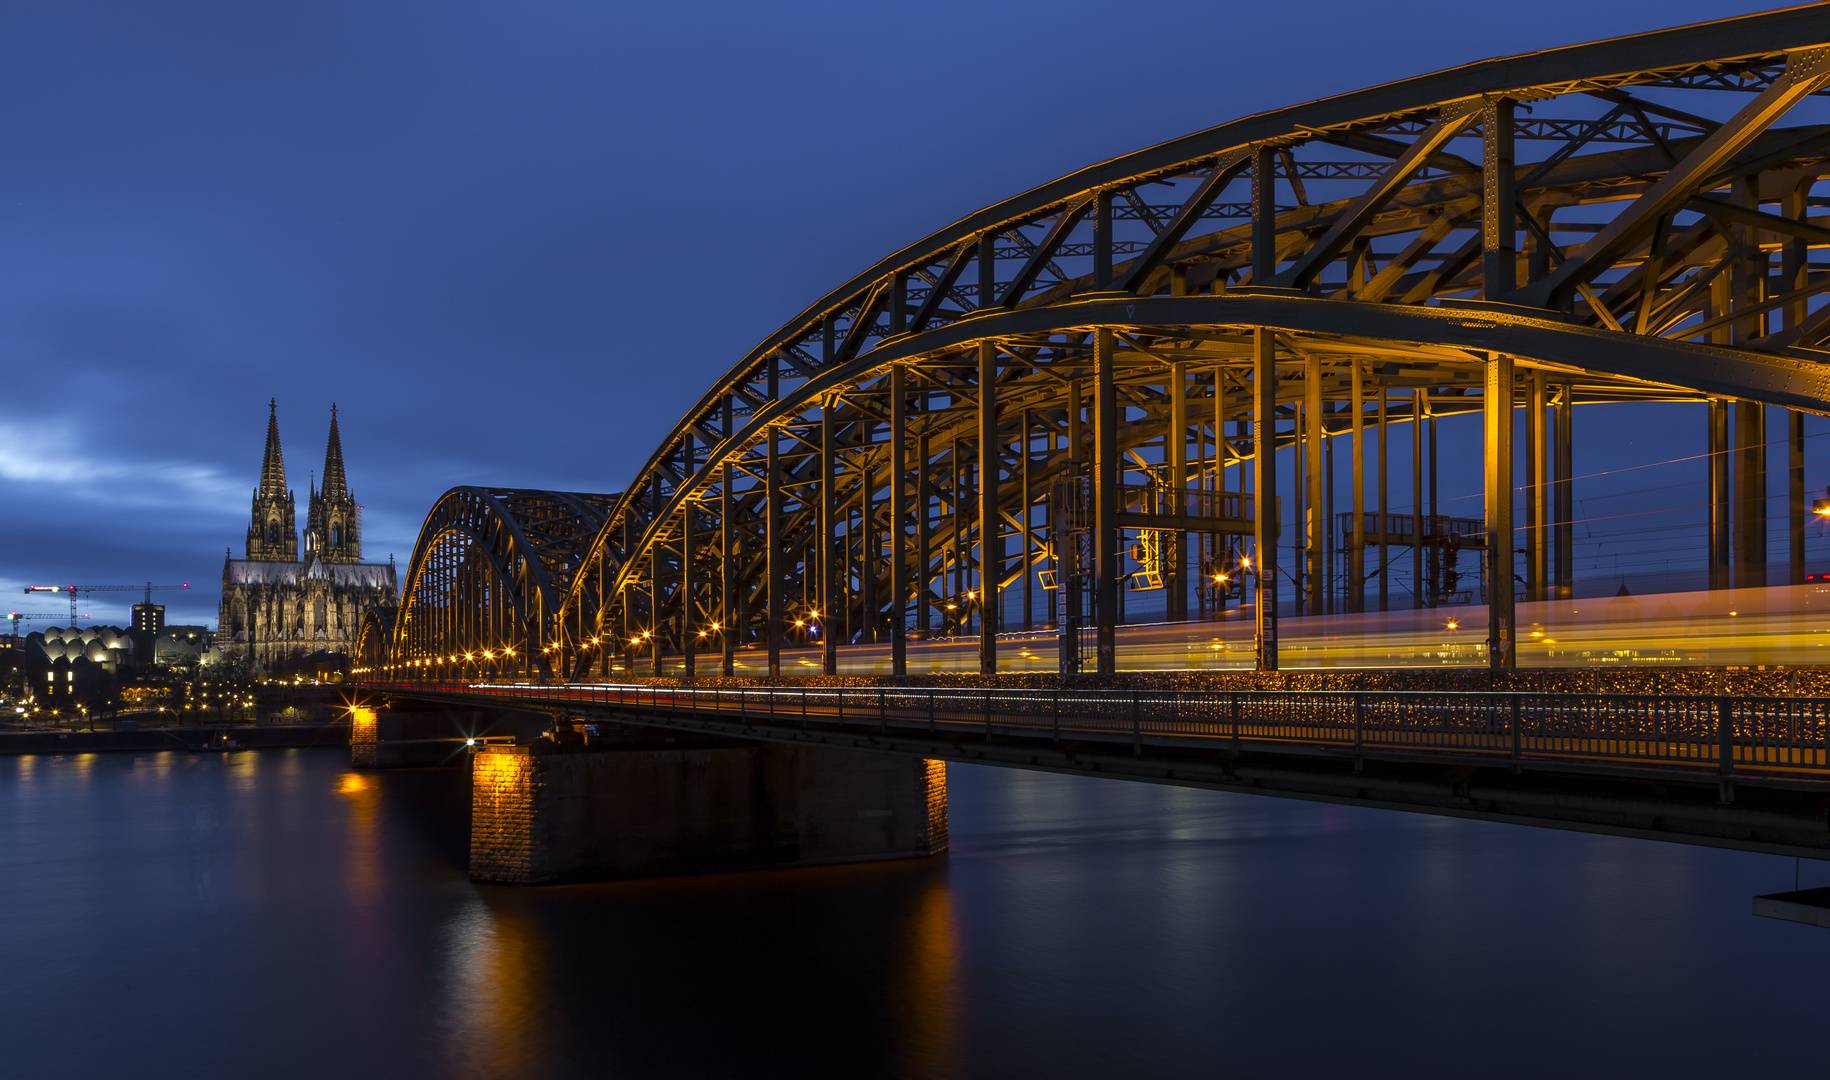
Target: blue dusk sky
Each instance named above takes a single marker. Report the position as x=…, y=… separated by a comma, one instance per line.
x=514, y=242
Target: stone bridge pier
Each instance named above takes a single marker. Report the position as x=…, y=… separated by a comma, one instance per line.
x=602, y=801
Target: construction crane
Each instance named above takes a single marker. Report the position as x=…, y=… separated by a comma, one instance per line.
x=19, y=617
x=149, y=588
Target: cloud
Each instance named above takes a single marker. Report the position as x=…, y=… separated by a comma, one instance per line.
x=57, y=454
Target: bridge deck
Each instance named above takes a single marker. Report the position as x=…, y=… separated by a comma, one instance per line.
x=1743, y=772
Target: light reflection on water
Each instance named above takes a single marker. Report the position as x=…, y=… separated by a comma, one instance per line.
x=495, y=988
x=277, y=914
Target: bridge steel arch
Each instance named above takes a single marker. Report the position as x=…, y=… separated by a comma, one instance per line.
x=1122, y=352
x=374, y=639
x=488, y=576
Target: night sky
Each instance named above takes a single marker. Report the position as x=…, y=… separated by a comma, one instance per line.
x=514, y=242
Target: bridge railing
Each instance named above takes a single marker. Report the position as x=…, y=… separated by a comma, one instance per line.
x=1722, y=733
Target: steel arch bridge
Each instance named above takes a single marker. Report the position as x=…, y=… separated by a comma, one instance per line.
x=1112, y=365
x=374, y=639
x=488, y=577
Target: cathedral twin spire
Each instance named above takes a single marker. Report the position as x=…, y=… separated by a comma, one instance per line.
x=272, y=534
x=273, y=466
x=335, y=486
x=333, y=525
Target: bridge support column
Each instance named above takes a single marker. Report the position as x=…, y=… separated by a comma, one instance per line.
x=646, y=805
x=657, y=634
x=1419, y=594
x=1356, y=539
x=772, y=558
x=1796, y=510
x=1750, y=495
x=1385, y=526
x=924, y=536
x=991, y=544
x=1106, y=471
x=1315, y=433
x=688, y=636
x=1502, y=634
x=730, y=623
x=1264, y=491
x=1716, y=463
x=828, y=569
x=899, y=509
x=1025, y=531
x=1564, y=501
x=1537, y=501
x=1176, y=456
x=1064, y=534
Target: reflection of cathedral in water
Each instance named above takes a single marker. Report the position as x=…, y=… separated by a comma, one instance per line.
x=280, y=607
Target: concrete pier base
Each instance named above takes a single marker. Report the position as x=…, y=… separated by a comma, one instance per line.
x=1808, y=906
x=649, y=806
x=387, y=739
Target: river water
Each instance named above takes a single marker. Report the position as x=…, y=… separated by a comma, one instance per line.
x=273, y=914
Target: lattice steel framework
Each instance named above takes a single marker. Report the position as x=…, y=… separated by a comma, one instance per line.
x=374, y=640
x=1631, y=219
x=488, y=577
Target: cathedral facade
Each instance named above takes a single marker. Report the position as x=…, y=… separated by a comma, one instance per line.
x=280, y=606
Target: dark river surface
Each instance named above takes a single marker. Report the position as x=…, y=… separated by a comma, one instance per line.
x=274, y=914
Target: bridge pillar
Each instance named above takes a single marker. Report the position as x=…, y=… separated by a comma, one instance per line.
x=688, y=640
x=730, y=623
x=645, y=805
x=1419, y=407
x=827, y=562
x=1501, y=633
x=1175, y=455
x=1537, y=489
x=1106, y=471
x=1264, y=491
x=1064, y=531
x=1385, y=527
x=991, y=544
x=1795, y=495
x=772, y=541
x=1313, y=526
x=1564, y=501
x=899, y=510
x=1750, y=495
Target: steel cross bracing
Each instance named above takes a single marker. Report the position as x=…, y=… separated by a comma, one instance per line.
x=1633, y=219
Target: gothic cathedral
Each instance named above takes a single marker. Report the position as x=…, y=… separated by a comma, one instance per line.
x=281, y=608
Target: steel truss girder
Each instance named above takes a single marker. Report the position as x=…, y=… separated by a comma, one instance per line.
x=1036, y=274
x=528, y=546
x=1432, y=337
x=861, y=316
